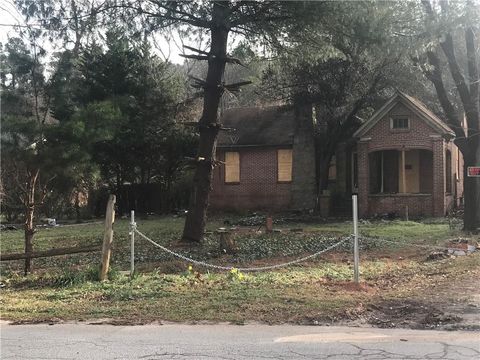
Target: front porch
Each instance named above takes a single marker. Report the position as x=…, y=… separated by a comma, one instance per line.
x=416, y=182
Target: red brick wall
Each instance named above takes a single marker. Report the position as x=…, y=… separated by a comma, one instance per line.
x=418, y=204
x=417, y=137
x=258, y=188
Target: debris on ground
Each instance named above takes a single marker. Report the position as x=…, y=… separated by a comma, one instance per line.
x=7, y=227
x=461, y=247
x=252, y=220
x=180, y=213
x=437, y=255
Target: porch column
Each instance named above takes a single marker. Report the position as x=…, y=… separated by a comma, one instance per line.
x=438, y=195
x=363, y=178
x=341, y=163
x=403, y=188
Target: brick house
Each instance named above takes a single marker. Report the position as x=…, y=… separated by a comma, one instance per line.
x=265, y=160
x=402, y=157
x=406, y=158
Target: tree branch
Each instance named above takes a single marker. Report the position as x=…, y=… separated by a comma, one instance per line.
x=472, y=67
x=449, y=51
x=435, y=76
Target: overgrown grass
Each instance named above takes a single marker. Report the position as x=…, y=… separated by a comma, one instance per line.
x=66, y=287
x=298, y=295
x=252, y=246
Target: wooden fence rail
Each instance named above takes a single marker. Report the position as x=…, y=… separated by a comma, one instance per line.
x=51, y=252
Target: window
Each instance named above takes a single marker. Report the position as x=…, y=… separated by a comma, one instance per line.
x=232, y=167
x=400, y=123
x=448, y=172
x=284, y=160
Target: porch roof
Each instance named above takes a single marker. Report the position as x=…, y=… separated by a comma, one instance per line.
x=257, y=126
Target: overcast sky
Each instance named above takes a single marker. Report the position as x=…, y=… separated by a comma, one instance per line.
x=168, y=49
x=9, y=16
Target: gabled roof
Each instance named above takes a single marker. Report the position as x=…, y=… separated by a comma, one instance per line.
x=414, y=105
x=257, y=126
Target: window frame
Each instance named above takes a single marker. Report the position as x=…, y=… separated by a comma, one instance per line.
x=398, y=118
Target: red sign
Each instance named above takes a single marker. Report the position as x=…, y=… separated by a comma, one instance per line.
x=473, y=171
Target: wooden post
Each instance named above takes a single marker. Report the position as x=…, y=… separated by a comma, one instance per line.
x=269, y=224
x=108, y=237
x=227, y=242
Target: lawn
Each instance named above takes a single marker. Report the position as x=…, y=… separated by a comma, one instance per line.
x=318, y=291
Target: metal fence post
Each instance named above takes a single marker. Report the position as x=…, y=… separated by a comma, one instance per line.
x=356, y=257
x=132, y=242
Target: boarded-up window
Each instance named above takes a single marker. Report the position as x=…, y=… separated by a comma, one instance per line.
x=284, y=158
x=232, y=167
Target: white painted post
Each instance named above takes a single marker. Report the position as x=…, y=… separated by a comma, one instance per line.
x=356, y=257
x=132, y=243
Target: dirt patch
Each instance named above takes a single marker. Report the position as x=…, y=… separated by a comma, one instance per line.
x=452, y=303
x=350, y=286
x=409, y=314
x=53, y=321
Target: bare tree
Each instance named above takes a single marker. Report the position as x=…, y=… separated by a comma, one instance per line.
x=467, y=82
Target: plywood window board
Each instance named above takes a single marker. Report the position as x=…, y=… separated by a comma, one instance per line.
x=232, y=167
x=284, y=158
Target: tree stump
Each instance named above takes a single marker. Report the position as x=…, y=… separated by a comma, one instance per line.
x=269, y=224
x=228, y=244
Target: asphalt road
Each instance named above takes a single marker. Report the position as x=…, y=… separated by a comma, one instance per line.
x=172, y=341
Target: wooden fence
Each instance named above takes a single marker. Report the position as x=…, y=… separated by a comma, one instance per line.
x=105, y=248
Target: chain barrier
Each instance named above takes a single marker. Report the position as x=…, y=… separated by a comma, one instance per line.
x=363, y=239
x=444, y=248
x=248, y=269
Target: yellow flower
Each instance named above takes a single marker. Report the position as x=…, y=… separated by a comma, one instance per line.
x=190, y=267
x=240, y=276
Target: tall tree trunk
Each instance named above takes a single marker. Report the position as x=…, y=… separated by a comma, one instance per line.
x=208, y=127
x=471, y=217
x=323, y=169
x=468, y=87
x=29, y=214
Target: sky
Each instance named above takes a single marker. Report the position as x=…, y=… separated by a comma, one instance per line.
x=169, y=49
x=9, y=16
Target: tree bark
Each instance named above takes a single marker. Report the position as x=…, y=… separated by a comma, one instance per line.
x=468, y=141
x=471, y=217
x=208, y=126
x=29, y=215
